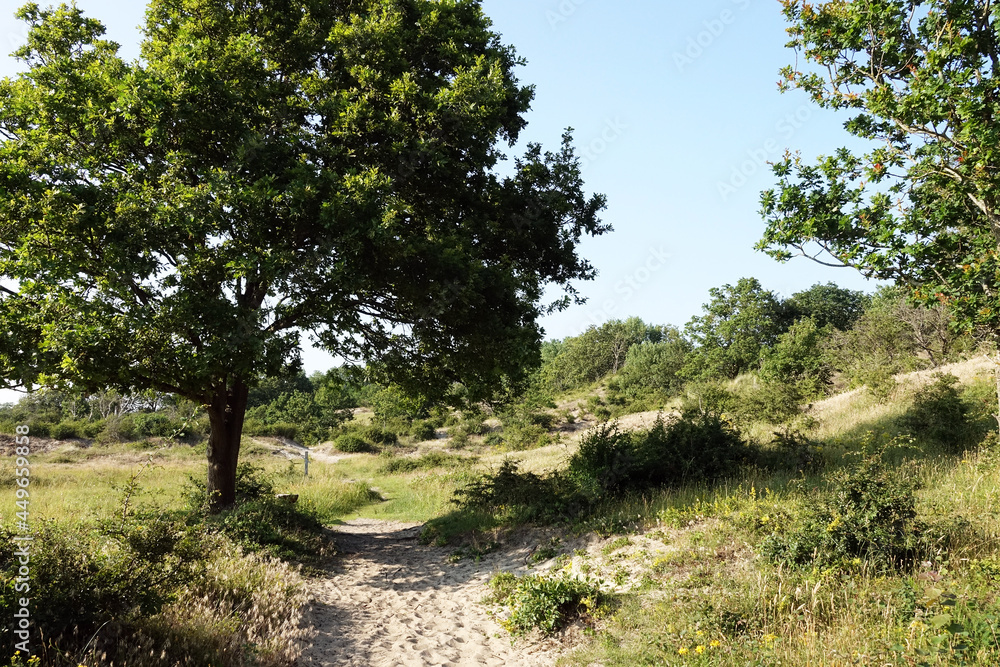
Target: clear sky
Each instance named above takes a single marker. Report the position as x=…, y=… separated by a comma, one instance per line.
x=675, y=109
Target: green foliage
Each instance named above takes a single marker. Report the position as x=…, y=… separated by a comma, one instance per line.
x=272, y=525
x=543, y=601
x=255, y=175
x=939, y=414
x=428, y=461
x=920, y=207
x=829, y=306
x=798, y=359
x=655, y=366
x=377, y=435
x=879, y=346
x=65, y=430
x=695, y=447
x=423, y=430
x=867, y=516
x=350, y=443
x=600, y=350
x=515, y=496
x=739, y=323
x=391, y=404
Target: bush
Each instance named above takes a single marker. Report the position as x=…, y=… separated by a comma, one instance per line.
x=696, y=447
x=869, y=515
x=283, y=430
x=117, y=429
x=84, y=579
x=517, y=496
x=378, y=436
x=65, y=430
x=939, y=414
x=271, y=525
x=427, y=461
x=542, y=601
x=423, y=430
x=774, y=402
x=520, y=436
x=93, y=429
x=352, y=444
x=152, y=424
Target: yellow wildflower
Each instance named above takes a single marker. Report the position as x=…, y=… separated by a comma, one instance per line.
x=715, y=643
x=682, y=650
x=699, y=649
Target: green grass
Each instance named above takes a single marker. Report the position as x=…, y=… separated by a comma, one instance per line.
x=711, y=599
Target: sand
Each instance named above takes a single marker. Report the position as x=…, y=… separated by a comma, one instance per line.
x=390, y=601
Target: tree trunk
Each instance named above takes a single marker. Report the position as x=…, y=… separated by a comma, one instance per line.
x=225, y=414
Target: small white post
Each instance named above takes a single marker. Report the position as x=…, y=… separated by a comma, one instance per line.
x=307, y=463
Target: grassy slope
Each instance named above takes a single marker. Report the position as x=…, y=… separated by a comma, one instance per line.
x=708, y=599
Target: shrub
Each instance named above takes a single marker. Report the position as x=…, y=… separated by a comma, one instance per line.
x=378, y=436
x=525, y=435
x=774, y=402
x=283, y=430
x=542, y=601
x=939, y=414
x=868, y=515
x=352, y=444
x=427, y=461
x=64, y=431
x=422, y=430
x=84, y=579
x=696, y=447
x=117, y=429
x=92, y=429
x=152, y=424
x=274, y=526
x=519, y=496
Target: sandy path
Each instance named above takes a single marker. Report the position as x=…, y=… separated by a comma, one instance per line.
x=391, y=601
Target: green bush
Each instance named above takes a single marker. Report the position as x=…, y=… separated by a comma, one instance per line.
x=84, y=578
x=422, y=430
x=271, y=525
x=867, y=516
x=352, y=444
x=939, y=414
x=153, y=424
x=40, y=429
x=378, y=436
x=92, y=429
x=283, y=430
x=520, y=497
x=520, y=436
x=543, y=601
x=773, y=402
x=429, y=460
x=696, y=447
x=65, y=430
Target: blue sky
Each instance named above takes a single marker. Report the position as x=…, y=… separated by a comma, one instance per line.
x=675, y=109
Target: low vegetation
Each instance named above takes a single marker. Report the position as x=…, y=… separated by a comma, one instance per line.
x=747, y=519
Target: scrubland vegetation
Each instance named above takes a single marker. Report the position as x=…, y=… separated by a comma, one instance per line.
x=806, y=506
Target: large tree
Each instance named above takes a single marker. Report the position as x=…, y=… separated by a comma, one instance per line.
x=921, y=81
x=739, y=324
x=269, y=169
